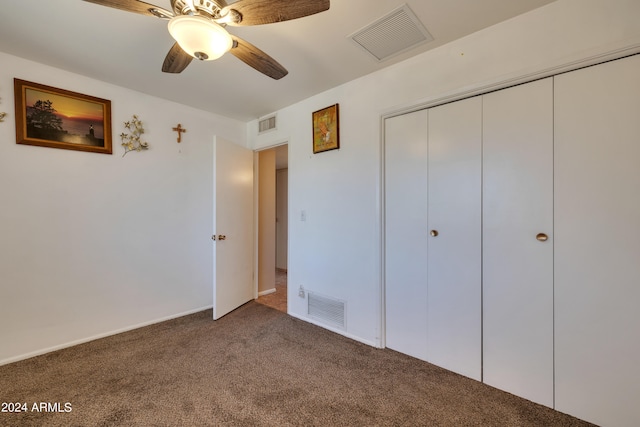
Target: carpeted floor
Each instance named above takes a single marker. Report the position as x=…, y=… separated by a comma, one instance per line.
x=254, y=367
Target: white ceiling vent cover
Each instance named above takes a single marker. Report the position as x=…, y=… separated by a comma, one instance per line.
x=392, y=34
x=329, y=310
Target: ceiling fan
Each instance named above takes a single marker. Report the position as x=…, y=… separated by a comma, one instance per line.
x=199, y=28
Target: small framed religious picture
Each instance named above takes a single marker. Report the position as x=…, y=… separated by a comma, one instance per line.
x=326, y=129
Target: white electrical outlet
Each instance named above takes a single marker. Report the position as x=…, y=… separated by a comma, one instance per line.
x=301, y=292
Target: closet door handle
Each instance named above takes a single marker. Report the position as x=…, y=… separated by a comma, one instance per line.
x=434, y=233
x=541, y=237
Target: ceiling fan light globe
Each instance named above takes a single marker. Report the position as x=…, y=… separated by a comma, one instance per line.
x=200, y=37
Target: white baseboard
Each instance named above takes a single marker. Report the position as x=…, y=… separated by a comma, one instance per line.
x=96, y=337
x=267, y=292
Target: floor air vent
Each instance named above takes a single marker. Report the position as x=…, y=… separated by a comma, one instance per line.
x=328, y=310
x=392, y=34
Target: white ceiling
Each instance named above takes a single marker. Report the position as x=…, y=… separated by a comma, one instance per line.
x=127, y=49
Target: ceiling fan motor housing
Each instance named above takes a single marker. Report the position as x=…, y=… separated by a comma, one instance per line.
x=208, y=9
x=183, y=7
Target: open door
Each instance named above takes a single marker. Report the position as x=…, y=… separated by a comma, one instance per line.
x=233, y=227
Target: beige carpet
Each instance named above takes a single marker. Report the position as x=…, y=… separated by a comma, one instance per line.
x=254, y=367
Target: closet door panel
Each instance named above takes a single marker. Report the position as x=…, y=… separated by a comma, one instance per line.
x=406, y=233
x=597, y=243
x=517, y=267
x=454, y=213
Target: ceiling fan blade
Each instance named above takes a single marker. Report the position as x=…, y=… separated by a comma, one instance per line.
x=257, y=12
x=135, y=6
x=176, y=60
x=254, y=57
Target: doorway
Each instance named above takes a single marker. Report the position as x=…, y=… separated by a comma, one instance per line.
x=272, y=226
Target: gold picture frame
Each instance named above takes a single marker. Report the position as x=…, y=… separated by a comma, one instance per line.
x=50, y=117
x=326, y=129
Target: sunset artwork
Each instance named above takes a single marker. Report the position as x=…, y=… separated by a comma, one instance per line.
x=51, y=117
x=78, y=116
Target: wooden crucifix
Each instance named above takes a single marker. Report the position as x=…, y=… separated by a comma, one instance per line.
x=180, y=130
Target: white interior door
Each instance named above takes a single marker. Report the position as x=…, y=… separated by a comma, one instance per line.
x=597, y=243
x=406, y=233
x=517, y=267
x=455, y=214
x=233, y=227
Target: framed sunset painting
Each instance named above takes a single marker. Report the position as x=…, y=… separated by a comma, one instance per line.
x=58, y=118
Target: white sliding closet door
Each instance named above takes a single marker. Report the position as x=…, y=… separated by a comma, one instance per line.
x=454, y=214
x=517, y=260
x=406, y=233
x=597, y=243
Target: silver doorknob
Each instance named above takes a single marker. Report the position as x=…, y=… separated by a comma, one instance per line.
x=434, y=233
x=541, y=237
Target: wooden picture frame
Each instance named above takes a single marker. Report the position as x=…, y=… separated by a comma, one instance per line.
x=326, y=129
x=50, y=117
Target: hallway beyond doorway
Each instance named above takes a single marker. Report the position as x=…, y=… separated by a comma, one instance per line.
x=277, y=299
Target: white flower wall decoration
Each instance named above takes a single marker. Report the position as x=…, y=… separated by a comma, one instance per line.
x=133, y=141
x=2, y=116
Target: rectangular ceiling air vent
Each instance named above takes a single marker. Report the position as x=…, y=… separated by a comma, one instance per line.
x=329, y=310
x=266, y=124
x=397, y=32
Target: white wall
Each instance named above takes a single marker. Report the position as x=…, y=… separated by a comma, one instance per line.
x=337, y=250
x=93, y=243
